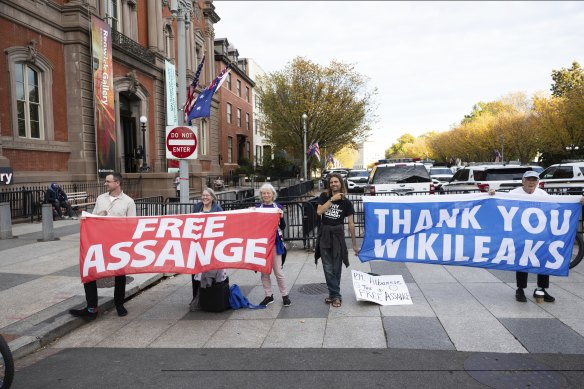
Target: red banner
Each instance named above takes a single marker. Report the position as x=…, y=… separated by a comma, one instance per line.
x=193, y=243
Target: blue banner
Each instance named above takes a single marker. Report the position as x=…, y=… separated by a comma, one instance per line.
x=534, y=234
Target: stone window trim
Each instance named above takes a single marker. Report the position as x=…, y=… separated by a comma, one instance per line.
x=168, y=34
x=31, y=57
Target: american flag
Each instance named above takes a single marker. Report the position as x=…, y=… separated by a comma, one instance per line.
x=190, y=103
x=314, y=150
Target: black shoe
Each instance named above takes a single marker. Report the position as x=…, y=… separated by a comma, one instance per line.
x=86, y=313
x=267, y=300
x=520, y=295
x=286, y=301
x=546, y=296
x=121, y=310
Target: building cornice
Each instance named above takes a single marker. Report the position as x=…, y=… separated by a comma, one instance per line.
x=234, y=67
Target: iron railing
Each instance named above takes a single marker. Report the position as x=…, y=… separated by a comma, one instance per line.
x=26, y=201
x=132, y=47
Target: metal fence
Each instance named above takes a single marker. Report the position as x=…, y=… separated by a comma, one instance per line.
x=26, y=201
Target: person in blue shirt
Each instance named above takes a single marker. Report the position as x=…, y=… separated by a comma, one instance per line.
x=56, y=196
x=268, y=196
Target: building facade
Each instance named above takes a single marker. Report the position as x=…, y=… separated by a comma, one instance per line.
x=262, y=148
x=47, y=104
x=235, y=111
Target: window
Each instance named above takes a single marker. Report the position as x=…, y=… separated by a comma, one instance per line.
x=28, y=103
x=168, y=41
x=255, y=126
x=31, y=77
x=239, y=88
x=204, y=146
x=258, y=102
x=229, y=81
x=112, y=14
x=247, y=94
x=248, y=151
x=238, y=117
x=258, y=155
x=229, y=149
x=247, y=121
x=229, y=119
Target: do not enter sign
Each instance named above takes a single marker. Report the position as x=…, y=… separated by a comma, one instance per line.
x=181, y=142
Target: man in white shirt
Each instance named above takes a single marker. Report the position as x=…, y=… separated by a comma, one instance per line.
x=530, y=186
x=112, y=203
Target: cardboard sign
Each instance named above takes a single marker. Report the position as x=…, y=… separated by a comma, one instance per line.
x=383, y=290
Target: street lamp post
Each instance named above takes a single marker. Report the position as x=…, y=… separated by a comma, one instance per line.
x=143, y=121
x=304, y=117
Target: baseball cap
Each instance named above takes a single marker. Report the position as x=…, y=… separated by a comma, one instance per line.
x=531, y=174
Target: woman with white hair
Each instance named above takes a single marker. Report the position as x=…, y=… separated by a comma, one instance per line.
x=207, y=204
x=268, y=196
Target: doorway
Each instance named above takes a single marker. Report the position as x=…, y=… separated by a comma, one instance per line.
x=130, y=137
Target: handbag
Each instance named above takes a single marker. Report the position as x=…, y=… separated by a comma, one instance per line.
x=215, y=298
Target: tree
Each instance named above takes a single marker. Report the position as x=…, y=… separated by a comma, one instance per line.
x=398, y=149
x=566, y=80
x=335, y=98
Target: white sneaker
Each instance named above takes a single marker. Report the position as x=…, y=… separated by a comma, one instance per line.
x=74, y=218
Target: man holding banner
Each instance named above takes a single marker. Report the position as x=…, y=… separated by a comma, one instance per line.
x=529, y=186
x=113, y=203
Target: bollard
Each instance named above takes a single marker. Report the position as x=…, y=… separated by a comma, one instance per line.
x=5, y=221
x=48, y=230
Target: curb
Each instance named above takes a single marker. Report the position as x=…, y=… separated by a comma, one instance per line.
x=42, y=328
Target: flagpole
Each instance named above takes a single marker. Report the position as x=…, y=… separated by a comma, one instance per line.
x=181, y=8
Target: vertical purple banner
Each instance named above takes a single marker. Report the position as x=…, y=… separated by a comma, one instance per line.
x=103, y=95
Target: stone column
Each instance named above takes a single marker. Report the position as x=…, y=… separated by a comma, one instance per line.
x=153, y=32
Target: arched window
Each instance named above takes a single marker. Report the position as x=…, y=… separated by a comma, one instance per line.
x=28, y=103
x=31, y=78
x=168, y=41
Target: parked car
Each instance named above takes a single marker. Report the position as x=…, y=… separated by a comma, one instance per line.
x=441, y=173
x=400, y=178
x=484, y=177
x=563, y=177
x=357, y=180
x=342, y=172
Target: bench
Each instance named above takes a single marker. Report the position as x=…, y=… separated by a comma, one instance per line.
x=80, y=200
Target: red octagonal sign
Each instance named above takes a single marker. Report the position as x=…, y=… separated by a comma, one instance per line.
x=181, y=142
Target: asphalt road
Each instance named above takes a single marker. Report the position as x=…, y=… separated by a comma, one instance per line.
x=293, y=368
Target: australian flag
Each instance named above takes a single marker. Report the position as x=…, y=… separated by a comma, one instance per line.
x=314, y=150
x=192, y=89
x=202, y=107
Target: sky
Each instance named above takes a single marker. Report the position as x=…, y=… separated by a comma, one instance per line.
x=430, y=61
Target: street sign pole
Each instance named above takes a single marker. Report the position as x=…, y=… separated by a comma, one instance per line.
x=181, y=144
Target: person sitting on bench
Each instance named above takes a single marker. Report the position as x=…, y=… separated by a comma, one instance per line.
x=56, y=196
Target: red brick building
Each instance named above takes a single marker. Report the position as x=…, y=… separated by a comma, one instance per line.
x=235, y=111
x=47, y=115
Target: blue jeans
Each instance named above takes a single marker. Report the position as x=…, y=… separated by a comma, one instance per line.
x=333, y=268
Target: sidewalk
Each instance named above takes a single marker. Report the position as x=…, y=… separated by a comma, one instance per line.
x=455, y=308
